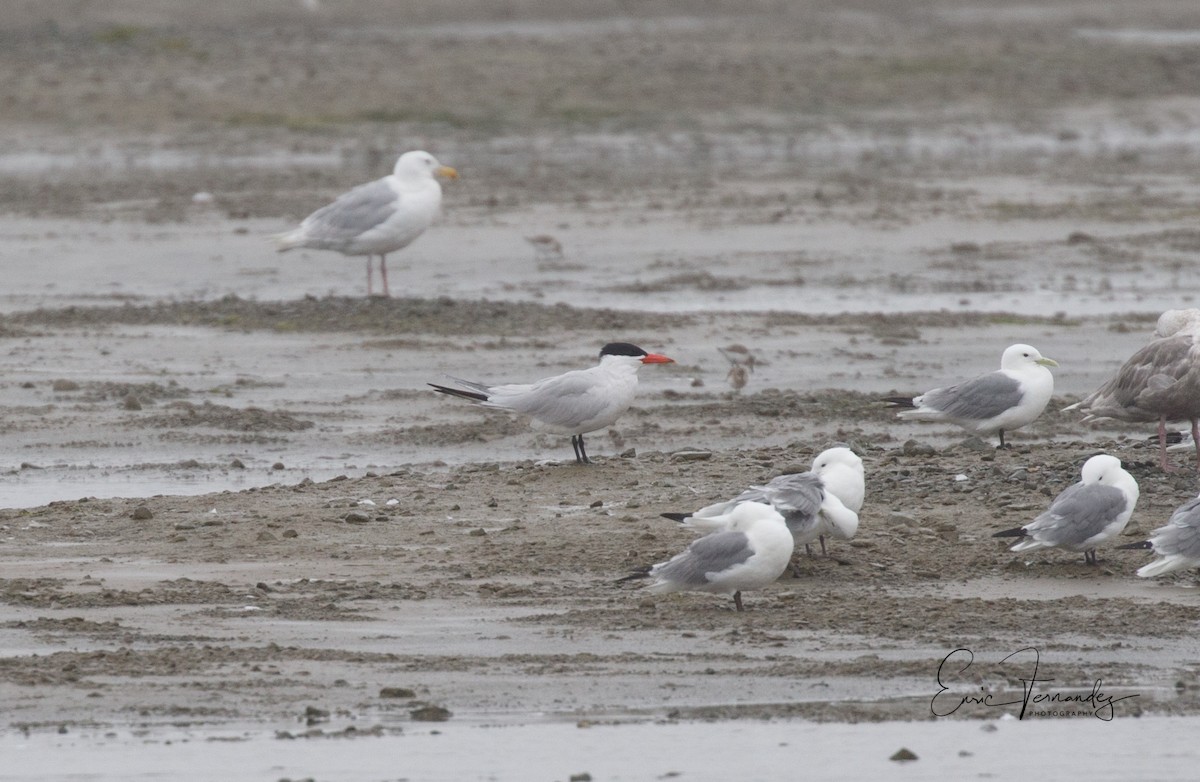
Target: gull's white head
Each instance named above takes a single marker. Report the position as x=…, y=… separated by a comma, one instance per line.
x=1102, y=468
x=1021, y=356
x=1172, y=322
x=832, y=458
x=421, y=165
x=841, y=473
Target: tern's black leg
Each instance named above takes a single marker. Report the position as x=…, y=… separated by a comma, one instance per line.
x=581, y=456
x=737, y=600
x=821, y=538
x=1089, y=556
x=1002, y=445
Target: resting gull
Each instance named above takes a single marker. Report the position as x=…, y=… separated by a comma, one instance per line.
x=1160, y=382
x=823, y=501
x=1086, y=514
x=751, y=552
x=999, y=401
x=575, y=402
x=379, y=217
x=1177, y=543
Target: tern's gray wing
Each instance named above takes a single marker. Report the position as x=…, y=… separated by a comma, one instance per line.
x=1181, y=535
x=710, y=554
x=351, y=215
x=978, y=399
x=565, y=400
x=1081, y=511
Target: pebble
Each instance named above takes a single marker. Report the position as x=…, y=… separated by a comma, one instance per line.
x=397, y=692
x=430, y=714
x=141, y=513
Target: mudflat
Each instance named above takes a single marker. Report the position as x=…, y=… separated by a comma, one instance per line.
x=233, y=508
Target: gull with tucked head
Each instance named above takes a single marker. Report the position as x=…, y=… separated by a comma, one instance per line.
x=824, y=501
x=1086, y=514
x=750, y=552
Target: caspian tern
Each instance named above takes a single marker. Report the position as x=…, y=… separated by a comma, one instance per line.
x=574, y=403
x=1177, y=543
x=999, y=401
x=379, y=217
x=823, y=501
x=1160, y=382
x=751, y=552
x=1084, y=515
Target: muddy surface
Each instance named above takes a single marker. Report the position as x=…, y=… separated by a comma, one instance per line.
x=230, y=499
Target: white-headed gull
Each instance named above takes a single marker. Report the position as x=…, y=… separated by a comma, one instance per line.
x=379, y=217
x=1009, y=398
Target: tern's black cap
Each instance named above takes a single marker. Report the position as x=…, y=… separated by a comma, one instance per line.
x=622, y=349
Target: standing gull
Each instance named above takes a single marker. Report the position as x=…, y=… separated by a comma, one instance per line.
x=823, y=501
x=1084, y=515
x=1177, y=543
x=1006, y=399
x=751, y=552
x=1159, y=382
x=379, y=217
x=574, y=403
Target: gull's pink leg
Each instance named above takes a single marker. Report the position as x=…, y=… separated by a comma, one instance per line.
x=383, y=273
x=370, y=287
x=1196, y=440
x=1162, y=444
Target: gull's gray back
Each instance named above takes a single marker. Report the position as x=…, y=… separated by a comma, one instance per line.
x=711, y=553
x=334, y=226
x=977, y=399
x=797, y=497
x=1081, y=511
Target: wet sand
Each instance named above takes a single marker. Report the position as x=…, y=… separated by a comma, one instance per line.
x=233, y=512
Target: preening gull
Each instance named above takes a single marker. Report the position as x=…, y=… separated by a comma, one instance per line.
x=823, y=501
x=751, y=552
x=1160, y=382
x=379, y=217
x=574, y=403
x=1086, y=514
x=1177, y=543
x=1007, y=399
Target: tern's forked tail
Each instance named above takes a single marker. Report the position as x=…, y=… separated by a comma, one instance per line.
x=473, y=395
